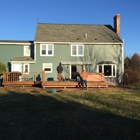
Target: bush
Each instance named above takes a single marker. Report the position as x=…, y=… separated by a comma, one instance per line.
x=2, y=67
x=131, y=77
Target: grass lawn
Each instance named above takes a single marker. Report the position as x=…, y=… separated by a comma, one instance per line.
x=96, y=114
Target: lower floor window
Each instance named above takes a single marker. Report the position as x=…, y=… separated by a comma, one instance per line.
x=26, y=68
x=107, y=69
x=47, y=67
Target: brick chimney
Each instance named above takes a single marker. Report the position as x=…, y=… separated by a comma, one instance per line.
x=117, y=24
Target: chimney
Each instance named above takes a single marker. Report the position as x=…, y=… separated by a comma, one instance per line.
x=117, y=24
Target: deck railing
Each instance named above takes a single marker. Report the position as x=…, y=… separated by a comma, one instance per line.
x=23, y=77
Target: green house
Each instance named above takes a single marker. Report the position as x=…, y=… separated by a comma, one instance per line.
x=96, y=48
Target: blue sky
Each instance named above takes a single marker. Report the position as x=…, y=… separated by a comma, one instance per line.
x=19, y=18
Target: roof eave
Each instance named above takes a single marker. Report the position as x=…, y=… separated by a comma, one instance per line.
x=16, y=42
x=94, y=43
x=24, y=62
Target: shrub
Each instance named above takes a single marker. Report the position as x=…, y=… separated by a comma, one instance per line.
x=131, y=77
x=2, y=67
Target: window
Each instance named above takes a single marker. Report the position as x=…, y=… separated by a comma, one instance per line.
x=77, y=50
x=107, y=69
x=47, y=67
x=46, y=49
x=27, y=50
x=26, y=68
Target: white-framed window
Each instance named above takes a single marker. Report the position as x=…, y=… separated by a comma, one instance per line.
x=77, y=50
x=27, y=50
x=109, y=70
x=26, y=68
x=46, y=50
x=47, y=67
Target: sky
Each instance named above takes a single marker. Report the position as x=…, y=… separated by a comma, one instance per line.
x=19, y=18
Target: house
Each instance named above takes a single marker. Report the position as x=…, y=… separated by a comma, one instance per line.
x=96, y=48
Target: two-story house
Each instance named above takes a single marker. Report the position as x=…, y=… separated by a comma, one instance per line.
x=97, y=48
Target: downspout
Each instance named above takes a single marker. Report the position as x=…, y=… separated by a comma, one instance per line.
x=122, y=59
x=34, y=51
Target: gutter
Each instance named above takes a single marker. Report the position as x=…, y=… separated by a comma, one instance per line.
x=69, y=43
x=25, y=62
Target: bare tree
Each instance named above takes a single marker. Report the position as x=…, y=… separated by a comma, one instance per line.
x=127, y=63
x=91, y=55
x=135, y=62
x=132, y=68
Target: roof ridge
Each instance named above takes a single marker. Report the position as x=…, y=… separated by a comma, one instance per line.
x=74, y=24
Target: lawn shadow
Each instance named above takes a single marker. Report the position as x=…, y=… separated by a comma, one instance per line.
x=43, y=117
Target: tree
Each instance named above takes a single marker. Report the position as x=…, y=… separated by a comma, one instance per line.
x=135, y=62
x=127, y=63
x=2, y=67
x=132, y=68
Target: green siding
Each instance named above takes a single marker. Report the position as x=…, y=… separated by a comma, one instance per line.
x=7, y=52
x=93, y=53
x=62, y=52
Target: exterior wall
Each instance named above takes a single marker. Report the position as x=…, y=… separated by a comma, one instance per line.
x=62, y=53
x=9, y=51
x=95, y=54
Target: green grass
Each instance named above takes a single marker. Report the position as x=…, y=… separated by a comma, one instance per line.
x=96, y=115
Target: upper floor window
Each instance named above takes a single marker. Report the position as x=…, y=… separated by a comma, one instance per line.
x=46, y=49
x=27, y=50
x=107, y=69
x=77, y=50
x=47, y=67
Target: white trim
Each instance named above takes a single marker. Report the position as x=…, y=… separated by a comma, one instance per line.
x=47, y=64
x=75, y=63
x=70, y=71
x=111, y=69
x=16, y=43
x=24, y=69
x=24, y=50
x=94, y=43
x=47, y=50
x=78, y=43
x=19, y=62
x=13, y=67
x=122, y=58
x=35, y=52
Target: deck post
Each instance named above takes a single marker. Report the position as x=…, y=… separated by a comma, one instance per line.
x=43, y=76
x=3, y=77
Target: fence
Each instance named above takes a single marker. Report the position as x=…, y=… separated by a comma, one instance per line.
x=23, y=77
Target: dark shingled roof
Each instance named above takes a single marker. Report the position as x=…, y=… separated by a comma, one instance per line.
x=22, y=58
x=16, y=41
x=76, y=33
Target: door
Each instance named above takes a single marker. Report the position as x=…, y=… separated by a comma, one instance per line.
x=76, y=68
x=16, y=67
x=73, y=70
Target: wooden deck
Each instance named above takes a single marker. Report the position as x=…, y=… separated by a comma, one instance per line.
x=46, y=84
x=67, y=84
x=38, y=79
x=22, y=83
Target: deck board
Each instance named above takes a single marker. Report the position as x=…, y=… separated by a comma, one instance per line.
x=94, y=80
x=56, y=84
x=19, y=83
x=73, y=84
